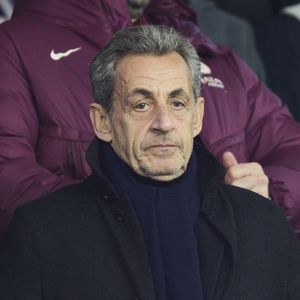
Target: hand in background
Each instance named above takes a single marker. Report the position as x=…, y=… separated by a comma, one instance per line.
x=249, y=176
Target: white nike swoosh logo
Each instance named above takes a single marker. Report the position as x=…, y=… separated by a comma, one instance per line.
x=60, y=55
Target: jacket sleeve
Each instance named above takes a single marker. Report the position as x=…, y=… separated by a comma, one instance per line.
x=273, y=140
x=20, y=269
x=21, y=177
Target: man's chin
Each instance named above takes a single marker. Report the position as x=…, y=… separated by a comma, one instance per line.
x=165, y=177
x=163, y=171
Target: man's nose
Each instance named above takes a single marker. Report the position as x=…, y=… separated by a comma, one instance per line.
x=162, y=119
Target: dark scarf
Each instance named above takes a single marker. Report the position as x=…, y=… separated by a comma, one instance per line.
x=167, y=212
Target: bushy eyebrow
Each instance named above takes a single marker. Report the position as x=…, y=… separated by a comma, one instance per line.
x=143, y=92
x=147, y=94
x=179, y=93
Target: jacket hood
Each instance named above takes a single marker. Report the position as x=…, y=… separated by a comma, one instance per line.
x=89, y=11
x=174, y=8
x=75, y=13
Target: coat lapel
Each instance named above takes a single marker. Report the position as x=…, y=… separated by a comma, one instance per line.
x=216, y=233
x=211, y=252
x=125, y=228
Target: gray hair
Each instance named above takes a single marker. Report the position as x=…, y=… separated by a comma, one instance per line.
x=149, y=39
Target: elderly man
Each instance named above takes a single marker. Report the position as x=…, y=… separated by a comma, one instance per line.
x=155, y=220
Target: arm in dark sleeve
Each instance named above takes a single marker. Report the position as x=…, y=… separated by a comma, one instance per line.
x=20, y=269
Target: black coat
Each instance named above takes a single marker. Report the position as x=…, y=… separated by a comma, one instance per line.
x=85, y=242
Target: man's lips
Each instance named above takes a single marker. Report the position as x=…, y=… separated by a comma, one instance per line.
x=161, y=147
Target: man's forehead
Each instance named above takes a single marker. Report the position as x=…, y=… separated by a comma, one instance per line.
x=144, y=63
x=165, y=73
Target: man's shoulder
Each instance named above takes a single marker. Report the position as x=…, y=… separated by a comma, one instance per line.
x=62, y=204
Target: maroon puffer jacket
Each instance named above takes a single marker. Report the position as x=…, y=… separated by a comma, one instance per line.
x=45, y=94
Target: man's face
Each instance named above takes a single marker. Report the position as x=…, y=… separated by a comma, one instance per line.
x=154, y=116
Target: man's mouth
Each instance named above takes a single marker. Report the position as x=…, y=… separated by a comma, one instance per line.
x=162, y=148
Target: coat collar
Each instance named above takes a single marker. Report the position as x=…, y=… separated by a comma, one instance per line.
x=216, y=229
x=217, y=241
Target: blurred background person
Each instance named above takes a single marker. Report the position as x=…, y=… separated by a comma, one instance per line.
x=278, y=43
x=254, y=11
x=230, y=30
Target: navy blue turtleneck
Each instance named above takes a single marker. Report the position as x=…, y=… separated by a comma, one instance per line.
x=167, y=212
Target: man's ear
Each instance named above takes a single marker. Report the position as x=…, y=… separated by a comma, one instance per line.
x=101, y=122
x=198, y=116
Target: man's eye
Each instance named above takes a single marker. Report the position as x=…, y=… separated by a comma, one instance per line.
x=141, y=106
x=178, y=104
